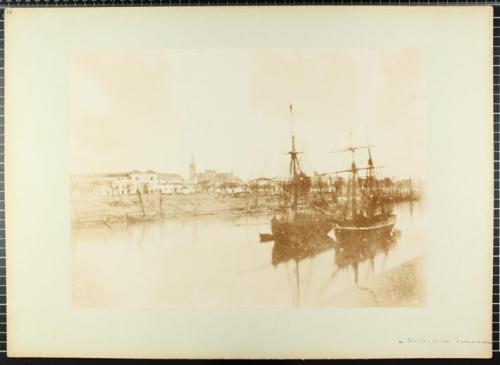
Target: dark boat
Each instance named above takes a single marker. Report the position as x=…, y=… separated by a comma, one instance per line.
x=300, y=224
x=298, y=218
x=366, y=211
x=299, y=229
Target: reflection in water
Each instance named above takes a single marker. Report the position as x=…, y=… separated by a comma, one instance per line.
x=363, y=248
x=214, y=261
x=297, y=246
x=300, y=247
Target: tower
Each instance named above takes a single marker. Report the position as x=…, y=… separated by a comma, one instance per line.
x=192, y=169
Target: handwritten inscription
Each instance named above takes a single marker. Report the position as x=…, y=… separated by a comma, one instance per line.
x=413, y=340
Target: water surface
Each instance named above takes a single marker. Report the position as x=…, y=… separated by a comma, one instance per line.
x=219, y=261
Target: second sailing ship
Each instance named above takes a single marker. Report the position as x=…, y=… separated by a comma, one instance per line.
x=366, y=211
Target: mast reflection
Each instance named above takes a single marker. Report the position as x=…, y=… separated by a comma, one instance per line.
x=357, y=249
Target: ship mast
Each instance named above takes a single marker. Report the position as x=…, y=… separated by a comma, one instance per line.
x=294, y=172
x=354, y=171
x=371, y=183
x=371, y=176
x=370, y=163
x=294, y=169
x=294, y=161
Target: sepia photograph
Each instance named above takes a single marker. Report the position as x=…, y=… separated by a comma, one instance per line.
x=294, y=182
x=248, y=178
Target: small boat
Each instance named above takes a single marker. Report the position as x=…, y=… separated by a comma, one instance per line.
x=266, y=237
x=141, y=219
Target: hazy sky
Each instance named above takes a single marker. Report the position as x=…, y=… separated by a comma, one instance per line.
x=230, y=108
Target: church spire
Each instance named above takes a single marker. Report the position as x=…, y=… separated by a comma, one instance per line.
x=192, y=169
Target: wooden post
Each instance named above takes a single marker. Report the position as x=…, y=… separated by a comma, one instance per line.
x=257, y=195
x=139, y=192
x=161, y=204
x=246, y=197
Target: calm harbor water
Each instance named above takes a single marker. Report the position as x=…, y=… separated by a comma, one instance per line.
x=219, y=261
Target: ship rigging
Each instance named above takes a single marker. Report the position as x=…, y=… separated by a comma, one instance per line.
x=365, y=211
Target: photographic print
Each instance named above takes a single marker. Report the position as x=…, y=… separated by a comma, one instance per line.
x=248, y=177
x=301, y=178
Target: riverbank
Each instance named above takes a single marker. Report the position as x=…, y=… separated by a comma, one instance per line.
x=89, y=211
x=98, y=210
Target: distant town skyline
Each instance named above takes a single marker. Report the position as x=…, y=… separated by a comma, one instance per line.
x=230, y=108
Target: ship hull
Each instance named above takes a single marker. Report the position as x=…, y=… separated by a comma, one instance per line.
x=345, y=231
x=301, y=237
x=301, y=226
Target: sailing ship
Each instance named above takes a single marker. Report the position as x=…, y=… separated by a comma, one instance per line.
x=299, y=218
x=366, y=211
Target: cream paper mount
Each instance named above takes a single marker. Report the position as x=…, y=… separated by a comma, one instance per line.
x=249, y=182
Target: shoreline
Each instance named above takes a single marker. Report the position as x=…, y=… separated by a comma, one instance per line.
x=105, y=210
x=97, y=211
